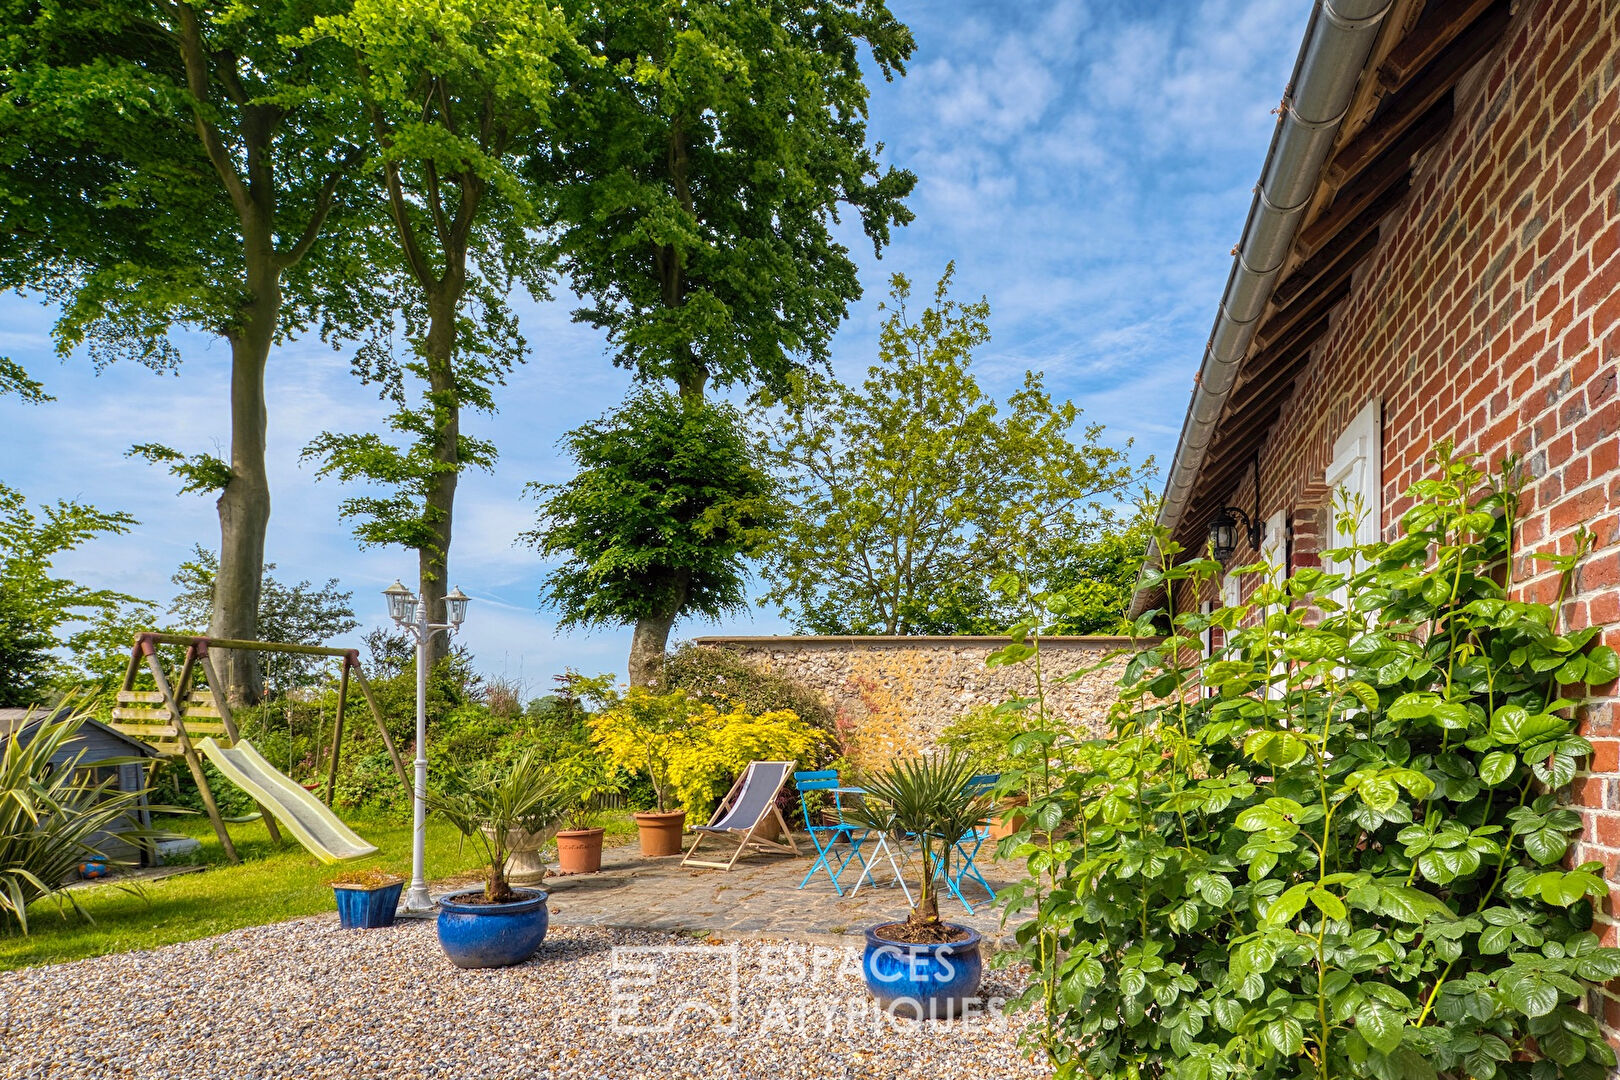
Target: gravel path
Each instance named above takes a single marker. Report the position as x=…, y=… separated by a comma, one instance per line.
x=308, y=999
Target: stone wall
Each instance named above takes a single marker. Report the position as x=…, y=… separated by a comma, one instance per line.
x=894, y=695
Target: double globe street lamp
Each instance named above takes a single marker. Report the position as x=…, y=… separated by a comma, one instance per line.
x=411, y=614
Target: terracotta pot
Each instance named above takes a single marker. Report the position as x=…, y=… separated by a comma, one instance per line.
x=661, y=832
x=579, y=851
x=1009, y=819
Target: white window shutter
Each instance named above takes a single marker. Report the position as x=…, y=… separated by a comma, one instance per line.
x=1358, y=468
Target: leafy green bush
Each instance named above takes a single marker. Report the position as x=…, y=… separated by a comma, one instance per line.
x=1334, y=846
x=721, y=676
x=985, y=735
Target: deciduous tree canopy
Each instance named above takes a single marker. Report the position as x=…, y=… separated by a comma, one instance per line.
x=913, y=490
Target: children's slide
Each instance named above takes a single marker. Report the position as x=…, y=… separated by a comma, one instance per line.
x=316, y=827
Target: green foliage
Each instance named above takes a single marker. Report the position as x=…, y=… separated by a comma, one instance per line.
x=298, y=614
x=986, y=736
x=55, y=816
x=911, y=492
x=667, y=503
x=1333, y=847
x=15, y=380
x=1097, y=573
x=702, y=154
x=486, y=804
x=34, y=605
x=136, y=205
x=457, y=95
x=199, y=474
x=927, y=797
x=721, y=677
x=690, y=749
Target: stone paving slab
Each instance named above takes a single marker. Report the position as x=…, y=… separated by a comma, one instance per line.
x=758, y=897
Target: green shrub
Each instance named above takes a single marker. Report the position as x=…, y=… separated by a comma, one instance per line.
x=721, y=676
x=1334, y=847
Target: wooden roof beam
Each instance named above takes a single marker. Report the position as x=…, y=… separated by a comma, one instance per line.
x=1406, y=106
x=1309, y=272
x=1436, y=28
x=1385, y=171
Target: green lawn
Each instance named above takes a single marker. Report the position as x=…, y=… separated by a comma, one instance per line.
x=269, y=886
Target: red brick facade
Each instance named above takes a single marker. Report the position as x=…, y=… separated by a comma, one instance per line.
x=1490, y=314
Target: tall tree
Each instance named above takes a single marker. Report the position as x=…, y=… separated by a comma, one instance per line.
x=457, y=95
x=667, y=504
x=35, y=605
x=912, y=491
x=704, y=152
x=172, y=163
x=298, y=614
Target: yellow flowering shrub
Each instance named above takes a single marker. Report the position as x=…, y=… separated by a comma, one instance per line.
x=692, y=750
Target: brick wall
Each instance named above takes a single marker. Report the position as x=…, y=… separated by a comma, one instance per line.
x=894, y=695
x=1490, y=314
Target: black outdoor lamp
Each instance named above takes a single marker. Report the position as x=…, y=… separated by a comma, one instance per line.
x=1223, y=527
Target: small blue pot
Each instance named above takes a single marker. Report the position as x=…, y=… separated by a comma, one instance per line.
x=923, y=982
x=492, y=935
x=367, y=909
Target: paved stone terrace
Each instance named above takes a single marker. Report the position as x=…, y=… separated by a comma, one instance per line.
x=759, y=897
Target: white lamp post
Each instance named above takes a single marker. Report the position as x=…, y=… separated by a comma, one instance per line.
x=409, y=612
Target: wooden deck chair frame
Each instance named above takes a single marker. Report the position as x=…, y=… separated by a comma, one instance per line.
x=745, y=838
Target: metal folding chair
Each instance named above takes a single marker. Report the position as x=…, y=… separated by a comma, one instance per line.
x=825, y=837
x=968, y=844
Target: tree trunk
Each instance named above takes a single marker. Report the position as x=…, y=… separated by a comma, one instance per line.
x=433, y=561
x=244, y=505
x=651, y=637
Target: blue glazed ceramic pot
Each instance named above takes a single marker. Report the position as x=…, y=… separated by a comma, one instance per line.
x=923, y=981
x=492, y=935
x=367, y=909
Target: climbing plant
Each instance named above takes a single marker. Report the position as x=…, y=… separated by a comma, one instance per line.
x=1335, y=845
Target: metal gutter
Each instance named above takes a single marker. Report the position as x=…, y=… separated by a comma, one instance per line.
x=1338, y=41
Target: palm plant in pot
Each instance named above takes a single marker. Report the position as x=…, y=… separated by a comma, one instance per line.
x=496, y=925
x=921, y=965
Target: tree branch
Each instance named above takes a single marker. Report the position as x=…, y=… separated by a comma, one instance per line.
x=196, y=62
x=323, y=207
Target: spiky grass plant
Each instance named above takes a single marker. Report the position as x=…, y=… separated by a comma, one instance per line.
x=929, y=798
x=56, y=815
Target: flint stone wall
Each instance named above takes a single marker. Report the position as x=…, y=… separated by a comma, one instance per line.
x=903, y=691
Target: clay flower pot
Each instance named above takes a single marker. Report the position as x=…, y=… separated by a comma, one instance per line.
x=579, y=851
x=661, y=832
x=1009, y=818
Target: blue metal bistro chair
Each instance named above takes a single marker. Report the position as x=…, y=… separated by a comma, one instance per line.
x=826, y=837
x=968, y=844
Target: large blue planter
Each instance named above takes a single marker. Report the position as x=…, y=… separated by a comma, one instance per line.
x=367, y=909
x=492, y=935
x=923, y=981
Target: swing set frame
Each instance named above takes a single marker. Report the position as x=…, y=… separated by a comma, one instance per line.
x=168, y=718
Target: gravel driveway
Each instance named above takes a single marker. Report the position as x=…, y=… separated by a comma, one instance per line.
x=308, y=999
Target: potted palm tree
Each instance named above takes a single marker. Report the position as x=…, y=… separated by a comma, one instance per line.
x=923, y=966
x=496, y=925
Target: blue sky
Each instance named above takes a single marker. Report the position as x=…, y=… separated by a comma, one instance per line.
x=1087, y=164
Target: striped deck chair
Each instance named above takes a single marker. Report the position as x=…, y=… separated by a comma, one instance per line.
x=749, y=805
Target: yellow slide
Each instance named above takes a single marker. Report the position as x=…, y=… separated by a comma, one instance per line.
x=316, y=827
